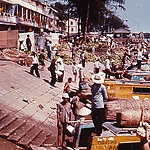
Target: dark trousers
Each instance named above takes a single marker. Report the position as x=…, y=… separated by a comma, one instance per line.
x=29, y=48
x=53, y=78
x=139, y=64
x=35, y=68
x=96, y=70
x=83, y=62
x=107, y=73
x=98, y=117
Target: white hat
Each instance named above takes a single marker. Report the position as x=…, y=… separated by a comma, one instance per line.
x=141, y=132
x=65, y=95
x=58, y=72
x=79, y=66
x=55, y=49
x=84, y=111
x=98, y=78
x=113, y=61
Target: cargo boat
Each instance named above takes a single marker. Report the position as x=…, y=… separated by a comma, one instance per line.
x=127, y=89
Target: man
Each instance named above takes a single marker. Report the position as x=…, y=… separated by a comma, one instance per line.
x=107, y=67
x=28, y=43
x=99, y=96
x=83, y=58
x=35, y=64
x=52, y=69
x=139, y=59
x=143, y=134
x=97, y=66
x=60, y=67
x=67, y=87
x=49, y=50
x=64, y=112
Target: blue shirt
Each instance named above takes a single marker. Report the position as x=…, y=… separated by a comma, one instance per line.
x=99, y=95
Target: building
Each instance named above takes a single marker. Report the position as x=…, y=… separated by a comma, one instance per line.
x=72, y=27
x=27, y=15
x=121, y=34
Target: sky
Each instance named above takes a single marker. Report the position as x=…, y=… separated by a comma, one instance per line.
x=136, y=15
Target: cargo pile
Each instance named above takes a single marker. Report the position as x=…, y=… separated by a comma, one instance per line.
x=128, y=113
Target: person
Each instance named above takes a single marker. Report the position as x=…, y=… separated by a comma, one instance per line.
x=35, y=64
x=75, y=105
x=107, y=67
x=28, y=43
x=64, y=113
x=97, y=66
x=139, y=59
x=73, y=51
x=41, y=60
x=99, y=96
x=74, y=71
x=81, y=73
x=60, y=67
x=41, y=42
x=52, y=69
x=83, y=58
x=49, y=50
x=67, y=87
x=143, y=134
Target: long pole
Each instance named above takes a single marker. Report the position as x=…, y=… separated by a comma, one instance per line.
x=68, y=23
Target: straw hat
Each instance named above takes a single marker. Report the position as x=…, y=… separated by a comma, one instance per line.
x=84, y=111
x=65, y=95
x=98, y=78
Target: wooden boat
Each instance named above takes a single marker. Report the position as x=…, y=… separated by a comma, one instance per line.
x=127, y=89
x=112, y=138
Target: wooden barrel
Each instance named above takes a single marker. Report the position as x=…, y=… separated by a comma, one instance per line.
x=132, y=118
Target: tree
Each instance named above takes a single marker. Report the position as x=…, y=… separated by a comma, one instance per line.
x=93, y=13
x=61, y=8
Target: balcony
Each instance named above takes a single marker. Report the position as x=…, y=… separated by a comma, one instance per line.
x=7, y=18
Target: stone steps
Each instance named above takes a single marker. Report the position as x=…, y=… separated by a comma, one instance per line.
x=12, y=127
x=24, y=132
x=29, y=136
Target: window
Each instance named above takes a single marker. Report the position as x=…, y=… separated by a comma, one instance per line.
x=71, y=23
x=71, y=29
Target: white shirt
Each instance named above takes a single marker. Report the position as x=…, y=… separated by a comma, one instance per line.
x=35, y=60
x=60, y=64
x=97, y=64
x=107, y=64
x=139, y=55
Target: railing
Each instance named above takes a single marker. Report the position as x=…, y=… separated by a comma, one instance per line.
x=6, y=17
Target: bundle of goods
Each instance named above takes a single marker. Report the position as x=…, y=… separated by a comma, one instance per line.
x=16, y=56
x=128, y=112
